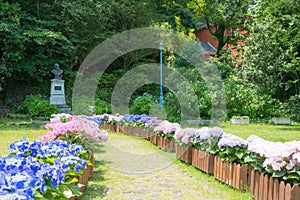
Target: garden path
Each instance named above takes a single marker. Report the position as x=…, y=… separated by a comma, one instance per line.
x=131, y=168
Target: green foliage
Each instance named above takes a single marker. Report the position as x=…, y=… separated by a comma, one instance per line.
x=36, y=34
x=142, y=104
x=244, y=99
x=189, y=84
x=294, y=106
x=83, y=105
x=36, y=105
x=234, y=154
x=271, y=55
x=226, y=15
x=102, y=107
x=179, y=16
x=172, y=107
x=89, y=106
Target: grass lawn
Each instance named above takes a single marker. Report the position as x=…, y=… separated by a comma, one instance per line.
x=277, y=133
x=14, y=130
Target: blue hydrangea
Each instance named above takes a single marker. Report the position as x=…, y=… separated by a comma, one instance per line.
x=21, y=174
x=96, y=119
x=45, y=149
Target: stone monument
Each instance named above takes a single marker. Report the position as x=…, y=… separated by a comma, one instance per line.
x=57, y=96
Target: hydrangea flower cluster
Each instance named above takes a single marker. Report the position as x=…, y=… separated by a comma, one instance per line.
x=229, y=140
x=45, y=149
x=63, y=124
x=96, y=119
x=152, y=123
x=185, y=136
x=133, y=118
x=111, y=119
x=205, y=138
x=166, y=129
x=276, y=156
x=21, y=177
x=33, y=167
x=233, y=148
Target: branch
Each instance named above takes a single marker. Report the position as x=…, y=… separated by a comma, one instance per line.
x=208, y=26
x=206, y=19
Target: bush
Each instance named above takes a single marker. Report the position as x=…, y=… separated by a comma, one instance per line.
x=244, y=99
x=83, y=105
x=172, y=108
x=294, y=107
x=37, y=106
x=142, y=104
x=102, y=107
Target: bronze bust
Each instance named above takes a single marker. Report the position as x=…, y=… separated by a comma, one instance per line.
x=57, y=71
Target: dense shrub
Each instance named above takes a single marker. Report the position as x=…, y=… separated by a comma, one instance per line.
x=142, y=104
x=102, y=107
x=294, y=107
x=36, y=105
x=172, y=107
x=244, y=99
x=89, y=106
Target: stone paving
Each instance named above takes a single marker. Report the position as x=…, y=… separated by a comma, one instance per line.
x=132, y=168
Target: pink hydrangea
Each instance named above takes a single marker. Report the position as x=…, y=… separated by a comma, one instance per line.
x=64, y=123
x=167, y=127
x=277, y=155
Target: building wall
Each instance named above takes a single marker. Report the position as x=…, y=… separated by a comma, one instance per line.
x=205, y=36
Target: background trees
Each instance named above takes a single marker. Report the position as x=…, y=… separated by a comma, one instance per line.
x=36, y=34
x=271, y=52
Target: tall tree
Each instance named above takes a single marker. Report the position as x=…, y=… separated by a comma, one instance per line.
x=271, y=55
x=225, y=14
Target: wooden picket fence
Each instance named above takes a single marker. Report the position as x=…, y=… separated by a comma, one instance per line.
x=233, y=174
x=203, y=160
x=264, y=187
x=84, y=178
x=142, y=132
x=153, y=138
x=184, y=153
x=166, y=144
x=120, y=129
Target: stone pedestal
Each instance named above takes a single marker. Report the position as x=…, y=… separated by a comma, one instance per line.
x=240, y=120
x=281, y=120
x=57, y=92
x=58, y=95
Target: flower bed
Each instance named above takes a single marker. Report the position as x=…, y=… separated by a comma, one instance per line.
x=59, y=167
x=43, y=169
x=165, y=135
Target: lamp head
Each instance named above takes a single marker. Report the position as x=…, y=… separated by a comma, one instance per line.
x=161, y=46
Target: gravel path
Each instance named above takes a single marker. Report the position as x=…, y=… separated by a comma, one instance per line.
x=132, y=168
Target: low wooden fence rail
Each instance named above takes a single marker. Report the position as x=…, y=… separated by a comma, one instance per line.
x=265, y=187
x=203, y=160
